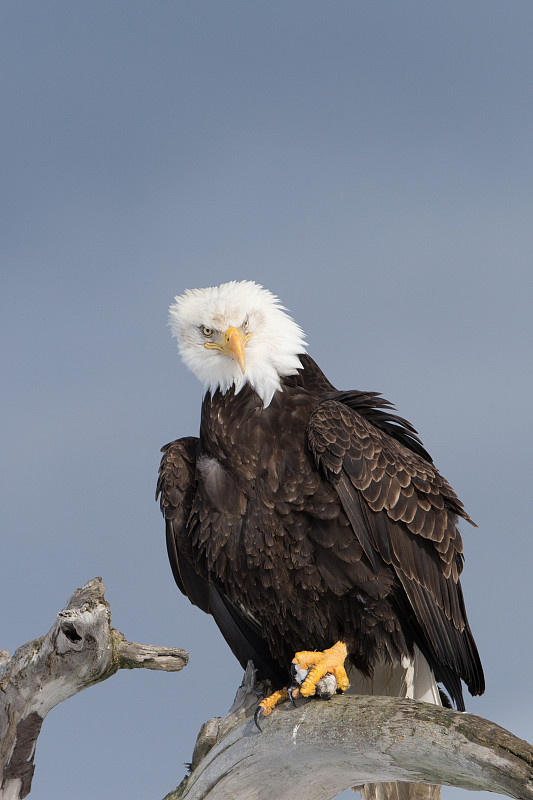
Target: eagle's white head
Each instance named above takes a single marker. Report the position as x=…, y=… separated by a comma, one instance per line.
x=234, y=334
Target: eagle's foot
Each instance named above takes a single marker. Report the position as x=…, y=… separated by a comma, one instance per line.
x=321, y=673
x=267, y=705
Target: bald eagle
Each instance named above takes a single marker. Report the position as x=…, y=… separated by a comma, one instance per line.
x=304, y=518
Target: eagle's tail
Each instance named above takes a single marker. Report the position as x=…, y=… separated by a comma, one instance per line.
x=412, y=678
x=399, y=791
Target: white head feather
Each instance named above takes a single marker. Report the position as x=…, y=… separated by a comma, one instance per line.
x=273, y=345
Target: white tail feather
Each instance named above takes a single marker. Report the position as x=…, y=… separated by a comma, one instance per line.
x=412, y=678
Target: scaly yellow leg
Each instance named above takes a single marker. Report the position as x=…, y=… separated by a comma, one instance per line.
x=266, y=705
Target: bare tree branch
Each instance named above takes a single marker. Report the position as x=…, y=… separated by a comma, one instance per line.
x=79, y=650
x=319, y=749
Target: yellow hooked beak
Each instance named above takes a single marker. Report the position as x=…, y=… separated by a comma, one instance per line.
x=233, y=345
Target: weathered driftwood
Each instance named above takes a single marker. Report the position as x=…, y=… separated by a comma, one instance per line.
x=316, y=750
x=79, y=650
x=321, y=748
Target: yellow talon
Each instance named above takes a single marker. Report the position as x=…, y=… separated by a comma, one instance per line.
x=320, y=664
x=270, y=702
x=317, y=664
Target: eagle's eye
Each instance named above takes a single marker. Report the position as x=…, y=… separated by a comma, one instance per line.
x=245, y=324
x=206, y=331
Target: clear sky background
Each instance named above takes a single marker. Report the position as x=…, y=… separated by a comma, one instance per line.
x=369, y=162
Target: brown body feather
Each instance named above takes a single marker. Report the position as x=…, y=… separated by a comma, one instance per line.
x=316, y=519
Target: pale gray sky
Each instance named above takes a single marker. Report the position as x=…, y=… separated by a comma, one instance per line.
x=369, y=162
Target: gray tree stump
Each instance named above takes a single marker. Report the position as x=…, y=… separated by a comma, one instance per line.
x=79, y=650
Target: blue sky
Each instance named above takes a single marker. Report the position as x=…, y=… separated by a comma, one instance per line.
x=369, y=162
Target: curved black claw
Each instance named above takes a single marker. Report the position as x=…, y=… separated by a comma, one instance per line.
x=290, y=690
x=257, y=716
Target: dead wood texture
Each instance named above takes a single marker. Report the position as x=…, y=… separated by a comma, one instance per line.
x=315, y=751
x=322, y=748
x=79, y=650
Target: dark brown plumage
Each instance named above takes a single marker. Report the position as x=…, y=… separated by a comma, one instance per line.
x=316, y=519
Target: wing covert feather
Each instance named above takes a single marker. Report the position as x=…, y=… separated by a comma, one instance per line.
x=404, y=513
x=388, y=475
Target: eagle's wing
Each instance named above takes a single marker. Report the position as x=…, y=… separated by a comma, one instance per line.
x=403, y=513
x=176, y=490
